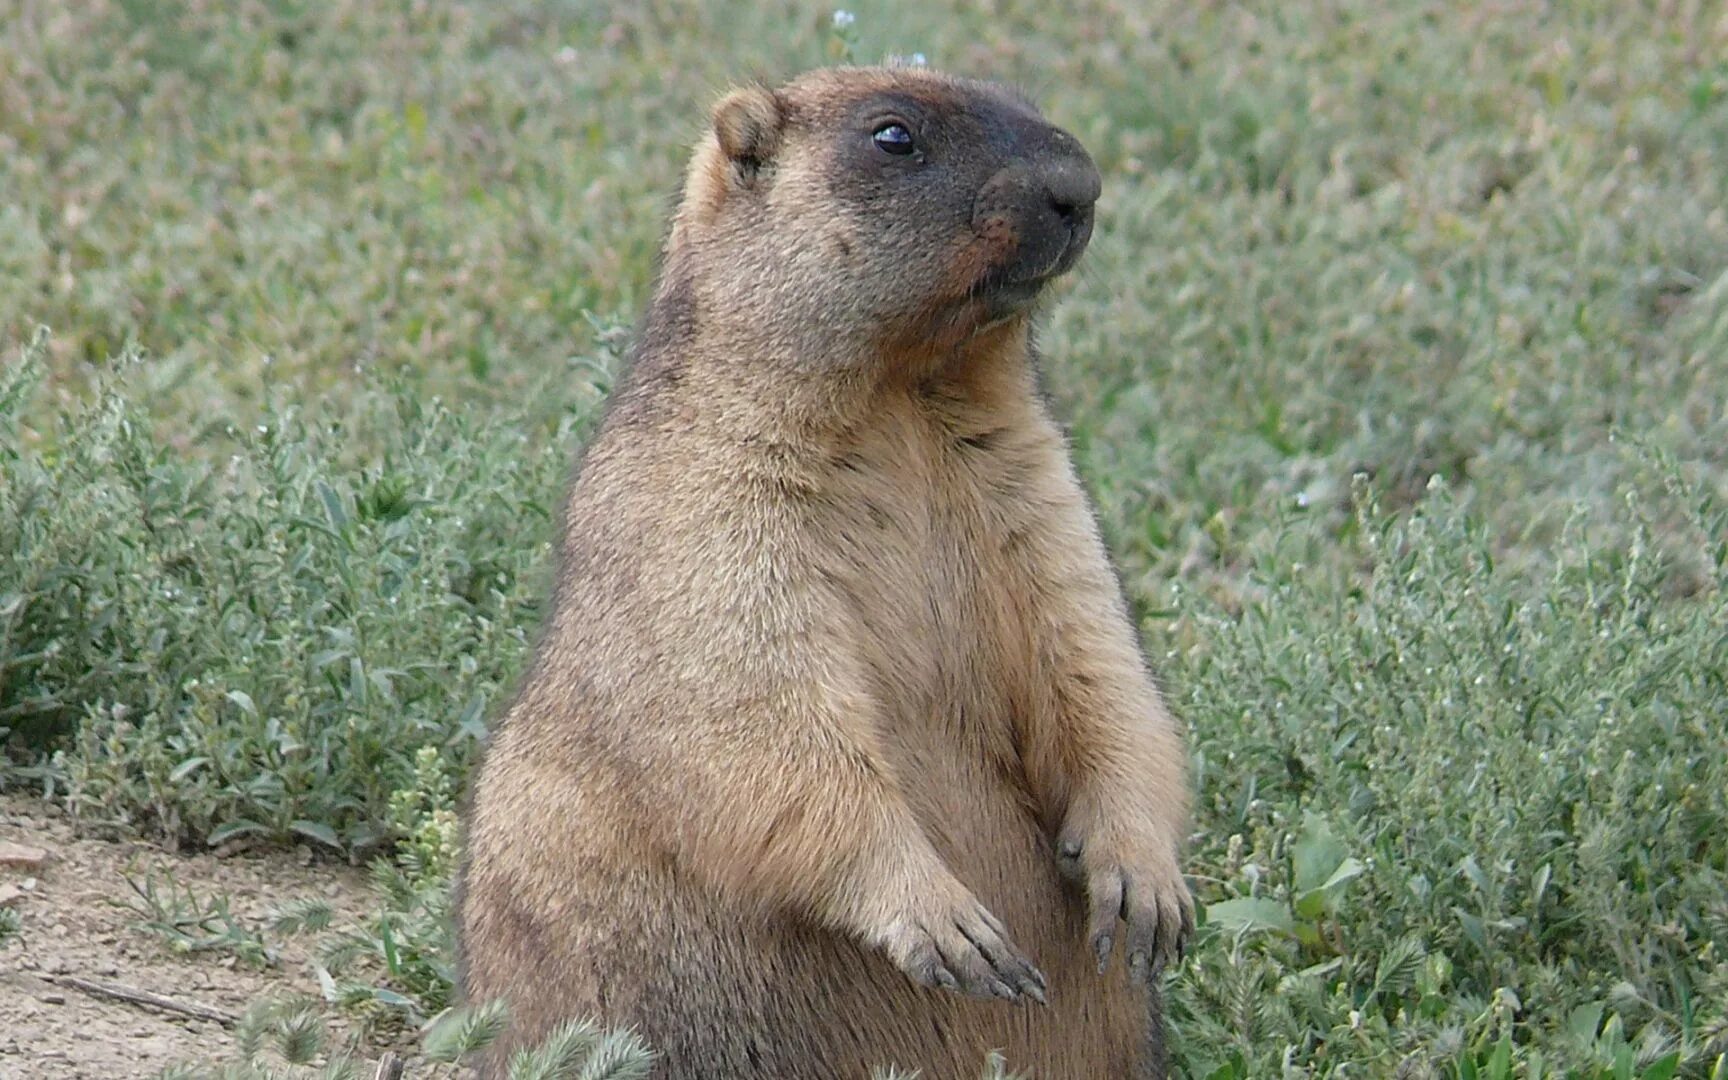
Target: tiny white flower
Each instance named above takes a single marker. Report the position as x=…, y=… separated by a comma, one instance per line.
x=844, y=19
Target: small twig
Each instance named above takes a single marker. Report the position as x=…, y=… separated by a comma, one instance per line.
x=133, y=996
x=389, y=1067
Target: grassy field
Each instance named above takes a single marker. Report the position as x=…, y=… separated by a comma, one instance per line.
x=1399, y=367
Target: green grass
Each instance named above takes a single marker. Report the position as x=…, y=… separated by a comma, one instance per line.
x=1399, y=366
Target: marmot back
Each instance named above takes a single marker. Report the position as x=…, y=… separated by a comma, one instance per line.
x=838, y=750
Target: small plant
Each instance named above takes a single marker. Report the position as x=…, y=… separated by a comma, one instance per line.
x=579, y=1050
x=396, y=966
x=1321, y=869
x=277, y=1039
x=288, y=1039
x=843, y=37
x=189, y=922
x=424, y=814
x=11, y=925
x=308, y=915
x=461, y=1032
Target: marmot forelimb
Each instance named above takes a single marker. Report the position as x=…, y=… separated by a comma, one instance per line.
x=838, y=685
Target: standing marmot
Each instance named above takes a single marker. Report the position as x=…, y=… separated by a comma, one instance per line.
x=838, y=684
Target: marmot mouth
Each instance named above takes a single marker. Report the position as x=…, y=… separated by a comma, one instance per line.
x=1008, y=295
x=1014, y=286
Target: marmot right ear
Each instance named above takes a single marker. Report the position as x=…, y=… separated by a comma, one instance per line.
x=747, y=123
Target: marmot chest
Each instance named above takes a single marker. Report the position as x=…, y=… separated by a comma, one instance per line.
x=934, y=589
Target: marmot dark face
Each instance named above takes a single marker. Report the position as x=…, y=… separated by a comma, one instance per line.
x=886, y=207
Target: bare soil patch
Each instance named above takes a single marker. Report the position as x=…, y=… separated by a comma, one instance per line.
x=74, y=934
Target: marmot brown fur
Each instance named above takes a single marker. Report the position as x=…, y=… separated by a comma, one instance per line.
x=839, y=723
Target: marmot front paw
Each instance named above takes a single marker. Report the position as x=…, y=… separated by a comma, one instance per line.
x=1135, y=879
x=962, y=947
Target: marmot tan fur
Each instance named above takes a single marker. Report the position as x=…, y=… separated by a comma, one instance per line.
x=839, y=732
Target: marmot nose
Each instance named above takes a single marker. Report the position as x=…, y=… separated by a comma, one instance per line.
x=1073, y=186
x=1037, y=210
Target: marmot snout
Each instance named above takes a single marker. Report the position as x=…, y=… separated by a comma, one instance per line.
x=1043, y=199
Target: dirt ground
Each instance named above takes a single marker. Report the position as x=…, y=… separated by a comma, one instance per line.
x=51, y=1028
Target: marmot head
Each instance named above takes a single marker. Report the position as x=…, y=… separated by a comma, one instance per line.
x=880, y=207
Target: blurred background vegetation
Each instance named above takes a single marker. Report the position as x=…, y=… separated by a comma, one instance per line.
x=1399, y=367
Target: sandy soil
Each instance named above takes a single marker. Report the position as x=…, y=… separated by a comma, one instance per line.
x=71, y=927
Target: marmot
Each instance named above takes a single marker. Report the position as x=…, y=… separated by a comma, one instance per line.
x=839, y=722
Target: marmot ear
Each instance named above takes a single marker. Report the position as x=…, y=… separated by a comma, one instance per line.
x=747, y=122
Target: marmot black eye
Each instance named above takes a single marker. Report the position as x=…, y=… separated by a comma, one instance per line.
x=893, y=139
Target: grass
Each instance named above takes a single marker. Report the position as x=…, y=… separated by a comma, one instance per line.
x=1397, y=367
x=175, y=913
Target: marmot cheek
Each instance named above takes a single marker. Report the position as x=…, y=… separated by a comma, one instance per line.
x=975, y=259
x=998, y=232
x=995, y=210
